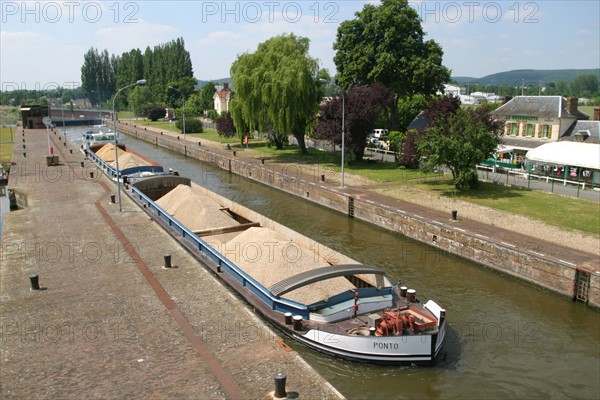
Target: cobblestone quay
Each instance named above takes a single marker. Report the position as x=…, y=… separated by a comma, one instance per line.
x=108, y=321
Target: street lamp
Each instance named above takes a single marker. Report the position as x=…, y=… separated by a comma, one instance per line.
x=140, y=82
x=343, y=125
x=183, y=116
x=343, y=134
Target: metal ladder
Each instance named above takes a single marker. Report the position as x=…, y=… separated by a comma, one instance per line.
x=582, y=286
x=351, y=207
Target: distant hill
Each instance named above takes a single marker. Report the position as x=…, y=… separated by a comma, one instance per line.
x=201, y=83
x=516, y=77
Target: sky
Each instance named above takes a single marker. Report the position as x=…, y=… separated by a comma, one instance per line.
x=42, y=43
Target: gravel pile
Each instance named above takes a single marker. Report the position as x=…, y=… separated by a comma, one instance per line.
x=129, y=160
x=269, y=257
x=194, y=211
x=107, y=152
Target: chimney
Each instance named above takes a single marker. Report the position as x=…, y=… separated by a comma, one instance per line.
x=596, y=113
x=572, y=105
x=226, y=86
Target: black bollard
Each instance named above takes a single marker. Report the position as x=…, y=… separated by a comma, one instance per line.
x=454, y=215
x=199, y=143
x=91, y=175
x=23, y=147
x=262, y=161
x=234, y=153
x=322, y=178
x=167, y=261
x=35, y=282
x=280, y=392
x=70, y=151
x=24, y=154
x=112, y=199
x=82, y=164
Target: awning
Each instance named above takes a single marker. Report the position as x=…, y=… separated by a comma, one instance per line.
x=584, y=155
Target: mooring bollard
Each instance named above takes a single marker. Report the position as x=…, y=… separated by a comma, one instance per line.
x=322, y=178
x=288, y=318
x=112, y=199
x=280, y=378
x=92, y=175
x=35, y=282
x=199, y=143
x=70, y=151
x=234, y=153
x=24, y=154
x=82, y=164
x=167, y=261
x=262, y=161
x=454, y=215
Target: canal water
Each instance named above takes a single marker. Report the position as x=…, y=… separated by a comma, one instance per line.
x=507, y=339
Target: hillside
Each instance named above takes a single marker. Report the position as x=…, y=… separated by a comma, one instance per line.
x=201, y=83
x=516, y=77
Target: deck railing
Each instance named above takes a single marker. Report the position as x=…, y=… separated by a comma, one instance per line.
x=277, y=304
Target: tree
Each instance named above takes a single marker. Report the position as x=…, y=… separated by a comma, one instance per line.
x=363, y=106
x=192, y=125
x=225, y=126
x=139, y=97
x=459, y=141
x=585, y=85
x=276, y=88
x=207, y=94
x=386, y=44
x=153, y=112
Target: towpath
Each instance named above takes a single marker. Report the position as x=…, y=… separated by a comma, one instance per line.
x=108, y=320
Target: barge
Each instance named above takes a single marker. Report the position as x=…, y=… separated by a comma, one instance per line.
x=313, y=294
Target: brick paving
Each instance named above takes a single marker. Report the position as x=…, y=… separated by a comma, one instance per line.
x=110, y=322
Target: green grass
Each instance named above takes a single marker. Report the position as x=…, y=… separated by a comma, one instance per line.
x=6, y=146
x=589, y=110
x=553, y=209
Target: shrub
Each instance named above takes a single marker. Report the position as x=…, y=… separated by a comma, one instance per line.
x=153, y=112
x=192, y=125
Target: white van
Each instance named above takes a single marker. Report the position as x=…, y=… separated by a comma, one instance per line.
x=379, y=133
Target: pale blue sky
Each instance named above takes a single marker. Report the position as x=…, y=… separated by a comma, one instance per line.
x=43, y=42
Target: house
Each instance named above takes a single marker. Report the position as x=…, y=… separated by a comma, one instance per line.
x=553, y=138
x=530, y=121
x=222, y=97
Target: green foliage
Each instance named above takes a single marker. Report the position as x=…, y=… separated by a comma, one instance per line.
x=585, y=85
x=206, y=97
x=140, y=97
x=408, y=109
x=213, y=115
x=277, y=88
x=396, y=138
x=98, y=76
x=458, y=141
x=153, y=111
x=192, y=125
x=386, y=43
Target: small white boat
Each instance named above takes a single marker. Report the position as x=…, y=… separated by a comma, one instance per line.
x=98, y=135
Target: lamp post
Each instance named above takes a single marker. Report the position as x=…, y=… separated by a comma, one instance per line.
x=343, y=134
x=140, y=82
x=183, y=116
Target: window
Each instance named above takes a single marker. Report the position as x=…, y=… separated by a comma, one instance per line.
x=529, y=130
x=513, y=129
x=546, y=131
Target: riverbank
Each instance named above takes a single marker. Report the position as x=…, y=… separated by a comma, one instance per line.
x=108, y=321
x=545, y=261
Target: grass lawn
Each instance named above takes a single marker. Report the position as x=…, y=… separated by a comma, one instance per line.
x=589, y=110
x=6, y=148
x=553, y=209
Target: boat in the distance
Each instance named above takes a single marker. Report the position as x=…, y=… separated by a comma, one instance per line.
x=98, y=135
x=316, y=295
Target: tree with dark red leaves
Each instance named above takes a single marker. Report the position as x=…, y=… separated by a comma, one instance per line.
x=363, y=105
